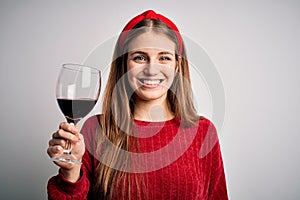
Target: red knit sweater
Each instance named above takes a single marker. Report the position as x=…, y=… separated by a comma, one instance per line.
x=173, y=168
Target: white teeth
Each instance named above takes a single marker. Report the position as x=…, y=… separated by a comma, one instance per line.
x=151, y=82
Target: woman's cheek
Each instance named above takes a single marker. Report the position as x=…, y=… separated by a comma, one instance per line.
x=131, y=80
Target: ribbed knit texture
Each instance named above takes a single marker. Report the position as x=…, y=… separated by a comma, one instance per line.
x=174, y=172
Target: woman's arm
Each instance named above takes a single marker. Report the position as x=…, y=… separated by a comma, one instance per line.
x=210, y=148
x=60, y=188
x=217, y=186
x=73, y=181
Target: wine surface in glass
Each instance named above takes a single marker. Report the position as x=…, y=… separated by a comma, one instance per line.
x=75, y=109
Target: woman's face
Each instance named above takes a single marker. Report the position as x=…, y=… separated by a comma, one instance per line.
x=151, y=66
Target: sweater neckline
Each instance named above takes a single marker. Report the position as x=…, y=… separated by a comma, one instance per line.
x=155, y=123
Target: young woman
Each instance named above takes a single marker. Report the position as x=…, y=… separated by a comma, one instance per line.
x=146, y=143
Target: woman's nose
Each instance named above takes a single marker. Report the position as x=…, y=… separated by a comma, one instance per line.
x=151, y=68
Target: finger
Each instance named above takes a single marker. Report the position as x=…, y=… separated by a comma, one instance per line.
x=54, y=151
x=60, y=142
x=68, y=127
x=62, y=134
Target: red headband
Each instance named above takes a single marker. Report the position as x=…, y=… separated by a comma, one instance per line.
x=149, y=14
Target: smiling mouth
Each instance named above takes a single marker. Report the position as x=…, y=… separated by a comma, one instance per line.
x=151, y=82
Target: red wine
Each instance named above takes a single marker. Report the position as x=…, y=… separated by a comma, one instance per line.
x=75, y=109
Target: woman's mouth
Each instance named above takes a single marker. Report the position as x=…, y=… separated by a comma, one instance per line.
x=150, y=83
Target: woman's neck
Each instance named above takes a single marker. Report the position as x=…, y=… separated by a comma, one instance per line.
x=152, y=110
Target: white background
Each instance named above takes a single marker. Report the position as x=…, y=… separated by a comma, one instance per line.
x=255, y=48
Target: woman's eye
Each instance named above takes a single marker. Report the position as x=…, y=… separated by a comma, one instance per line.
x=139, y=58
x=165, y=58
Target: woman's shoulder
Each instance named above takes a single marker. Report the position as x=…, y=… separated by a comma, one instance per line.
x=90, y=126
x=206, y=125
x=205, y=122
x=205, y=129
x=208, y=135
x=92, y=121
x=89, y=130
x=197, y=121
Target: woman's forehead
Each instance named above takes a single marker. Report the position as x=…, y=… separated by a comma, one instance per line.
x=153, y=41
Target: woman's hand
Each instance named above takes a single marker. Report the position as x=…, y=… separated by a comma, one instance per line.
x=59, y=142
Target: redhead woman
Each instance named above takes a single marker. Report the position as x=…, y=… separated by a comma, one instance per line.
x=146, y=142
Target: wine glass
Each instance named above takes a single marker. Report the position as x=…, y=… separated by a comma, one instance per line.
x=77, y=91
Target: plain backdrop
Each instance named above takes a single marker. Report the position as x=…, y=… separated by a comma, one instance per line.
x=254, y=46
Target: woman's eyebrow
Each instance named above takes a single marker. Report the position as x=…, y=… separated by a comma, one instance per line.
x=166, y=52
x=144, y=53
x=137, y=52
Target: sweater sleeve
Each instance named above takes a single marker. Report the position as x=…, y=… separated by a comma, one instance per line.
x=217, y=186
x=60, y=188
